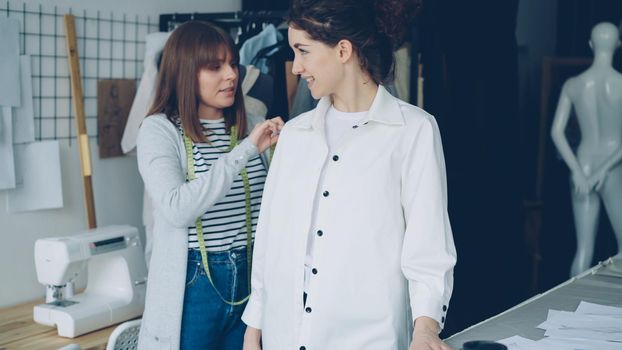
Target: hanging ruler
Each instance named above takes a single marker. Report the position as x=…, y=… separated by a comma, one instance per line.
x=78, y=107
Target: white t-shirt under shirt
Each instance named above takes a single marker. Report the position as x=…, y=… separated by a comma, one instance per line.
x=224, y=224
x=338, y=125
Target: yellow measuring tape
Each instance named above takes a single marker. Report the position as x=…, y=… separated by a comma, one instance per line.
x=199, y=224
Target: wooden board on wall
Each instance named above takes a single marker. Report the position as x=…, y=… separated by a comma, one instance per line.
x=114, y=100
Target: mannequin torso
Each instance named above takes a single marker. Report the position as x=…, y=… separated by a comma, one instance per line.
x=596, y=169
x=596, y=96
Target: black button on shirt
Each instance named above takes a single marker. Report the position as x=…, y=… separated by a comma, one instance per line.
x=320, y=233
x=314, y=271
x=335, y=158
x=308, y=310
x=325, y=194
x=303, y=348
x=444, y=307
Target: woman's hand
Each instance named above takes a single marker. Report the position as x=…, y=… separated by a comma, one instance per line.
x=266, y=133
x=252, y=338
x=425, y=336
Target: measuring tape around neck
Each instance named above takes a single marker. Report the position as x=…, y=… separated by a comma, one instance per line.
x=199, y=224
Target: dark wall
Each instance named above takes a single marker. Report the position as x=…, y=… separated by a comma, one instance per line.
x=471, y=87
x=576, y=19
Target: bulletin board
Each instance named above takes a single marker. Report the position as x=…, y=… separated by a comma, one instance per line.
x=110, y=46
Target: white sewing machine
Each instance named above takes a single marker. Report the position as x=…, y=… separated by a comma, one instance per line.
x=116, y=279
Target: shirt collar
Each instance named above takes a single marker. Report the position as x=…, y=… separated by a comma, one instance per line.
x=384, y=109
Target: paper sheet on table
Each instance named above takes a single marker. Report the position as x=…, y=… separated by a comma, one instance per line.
x=586, y=308
x=518, y=343
x=9, y=62
x=38, y=164
x=23, y=116
x=552, y=316
x=550, y=343
x=7, y=159
x=565, y=324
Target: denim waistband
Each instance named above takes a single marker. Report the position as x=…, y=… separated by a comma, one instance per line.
x=223, y=256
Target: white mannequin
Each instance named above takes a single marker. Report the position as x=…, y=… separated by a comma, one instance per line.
x=596, y=170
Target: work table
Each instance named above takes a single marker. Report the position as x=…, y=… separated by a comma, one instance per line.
x=19, y=331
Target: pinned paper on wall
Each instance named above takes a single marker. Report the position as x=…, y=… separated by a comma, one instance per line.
x=9, y=62
x=7, y=164
x=39, y=173
x=23, y=116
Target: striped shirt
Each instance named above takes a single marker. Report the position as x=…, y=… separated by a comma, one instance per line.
x=224, y=224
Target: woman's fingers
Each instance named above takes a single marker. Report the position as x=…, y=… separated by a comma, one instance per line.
x=274, y=126
x=266, y=133
x=269, y=133
x=279, y=121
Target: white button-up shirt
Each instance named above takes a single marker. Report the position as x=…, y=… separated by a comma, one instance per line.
x=383, y=251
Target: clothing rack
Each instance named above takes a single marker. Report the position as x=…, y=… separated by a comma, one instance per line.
x=168, y=22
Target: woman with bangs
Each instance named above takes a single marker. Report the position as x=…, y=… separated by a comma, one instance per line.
x=201, y=159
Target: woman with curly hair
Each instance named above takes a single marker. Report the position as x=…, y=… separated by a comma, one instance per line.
x=354, y=249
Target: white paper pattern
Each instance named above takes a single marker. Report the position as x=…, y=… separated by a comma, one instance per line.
x=7, y=163
x=9, y=62
x=23, y=116
x=39, y=165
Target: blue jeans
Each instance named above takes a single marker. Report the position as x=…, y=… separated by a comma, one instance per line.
x=207, y=322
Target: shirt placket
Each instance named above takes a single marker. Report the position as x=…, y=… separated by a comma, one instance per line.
x=323, y=234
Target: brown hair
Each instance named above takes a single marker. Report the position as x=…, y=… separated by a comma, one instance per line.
x=191, y=47
x=374, y=27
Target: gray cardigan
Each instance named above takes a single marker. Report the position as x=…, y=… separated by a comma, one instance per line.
x=162, y=165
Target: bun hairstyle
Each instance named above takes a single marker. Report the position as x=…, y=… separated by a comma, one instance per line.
x=374, y=27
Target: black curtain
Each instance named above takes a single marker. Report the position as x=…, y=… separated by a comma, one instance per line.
x=469, y=53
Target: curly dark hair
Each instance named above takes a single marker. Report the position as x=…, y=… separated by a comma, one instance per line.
x=374, y=27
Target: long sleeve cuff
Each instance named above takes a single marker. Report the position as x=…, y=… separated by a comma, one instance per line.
x=242, y=153
x=252, y=312
x=423, y=304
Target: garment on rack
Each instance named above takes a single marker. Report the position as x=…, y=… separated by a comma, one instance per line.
x=246, y=29
x=154, y=43
x=402, y=72
x=415, y=55
x=251, y=47
x=275, y=57
x=257, y=90
x=303, y=101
